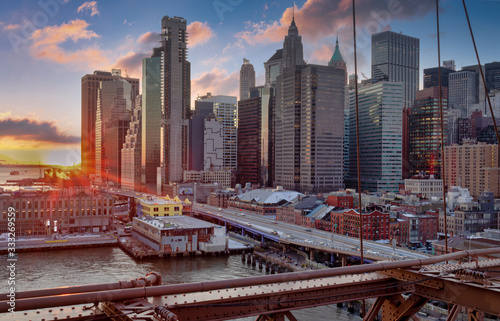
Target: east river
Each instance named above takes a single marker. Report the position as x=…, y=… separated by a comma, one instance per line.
x=38, y=270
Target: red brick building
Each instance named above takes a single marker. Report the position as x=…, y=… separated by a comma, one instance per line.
x=347, y=222
x=346, y=201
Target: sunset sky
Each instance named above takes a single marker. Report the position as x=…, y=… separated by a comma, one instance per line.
x=46, y=46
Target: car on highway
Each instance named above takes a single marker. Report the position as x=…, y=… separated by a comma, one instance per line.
x=307, y=230
x=274, y=232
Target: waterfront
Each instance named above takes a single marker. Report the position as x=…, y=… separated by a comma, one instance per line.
x=24, y=172
x=48, y=269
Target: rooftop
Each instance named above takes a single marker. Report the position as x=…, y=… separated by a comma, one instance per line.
x=176, y=222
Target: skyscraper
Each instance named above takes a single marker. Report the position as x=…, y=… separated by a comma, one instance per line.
x=396, y=57
x=380, y=138
x=462, y=92
x=425, y=132
x=431, y=77
x=288, y=109
x=247, y=79
x=203, y=109
x=90, y=85
x=272, y=68
x=224, y=108
x=132, y=151
x=309, y=120
x=151, y=119
x=492, y=75
x=338, y=61
x=114, y=108
x=255, y=137
x=175, y=99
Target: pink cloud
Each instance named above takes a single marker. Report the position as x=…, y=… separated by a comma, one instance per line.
x=89, y=5
x=47, y=44
x=11, y=27
x=199, y=33
x=131, y=63
x=217, y=81
x=322, y=18
x=149, y=38
x=322, y=55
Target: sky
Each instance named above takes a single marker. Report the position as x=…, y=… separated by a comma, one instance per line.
x=47, y=46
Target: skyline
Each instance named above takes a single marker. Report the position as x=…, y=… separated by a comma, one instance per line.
x=48, y=46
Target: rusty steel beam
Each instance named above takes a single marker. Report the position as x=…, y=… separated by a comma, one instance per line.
x=151, y=279
x=453, y=314
x=125, y=294
x=373, y=312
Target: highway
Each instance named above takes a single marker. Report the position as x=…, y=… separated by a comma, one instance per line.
x=310, y=237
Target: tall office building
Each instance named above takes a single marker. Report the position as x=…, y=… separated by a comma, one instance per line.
x=431, y=77
x=90, y=85
x=255, y=122
x=203, y=109
x=380, y=109
x=425, y=132
x=213, y=144
x=396, y=57
x=151, y=120
x=272, y=68
x=480, y=91
x=322, y=128
x=247, y=79
x=224, y=109
x=131, y=152
x=114, y=108
x=492, y=75
x=462, y=92
x=288, y=112
x=175, y=87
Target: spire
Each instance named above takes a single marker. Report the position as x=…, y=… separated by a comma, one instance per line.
x=292, y=30
x=337, y=58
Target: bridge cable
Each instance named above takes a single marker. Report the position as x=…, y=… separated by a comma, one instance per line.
x=443, y=171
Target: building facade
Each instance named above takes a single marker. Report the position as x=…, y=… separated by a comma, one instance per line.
x=225, y=111
x=462, y=92
x=396, y=58
x=425, y=132
x=175, y=87
x=380, y=119
x=91, y=83
x=247, y=79
x=132, y=150
x=473, y=166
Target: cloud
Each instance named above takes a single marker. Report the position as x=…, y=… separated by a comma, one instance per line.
x=89, y=5
x=321, y=18
x=47, y=44
x=33, y=130
x=322, y=55
x=217, y=81
x=132, y=63
x=11, y=26
x=149, y=38
x=199, y=33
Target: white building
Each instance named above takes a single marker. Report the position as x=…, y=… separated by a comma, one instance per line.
x=457, y=195
x=132, y=149
x=425, y=187
x=225, y=111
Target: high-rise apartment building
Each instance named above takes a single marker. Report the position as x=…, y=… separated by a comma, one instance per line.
x=175, y=87
x=151, y=119
x=255, y=143
x=90, y=85
x=247, y=79
x=380, y=106
x=114, y=108
x=396, y=57
x=424, y=131
x=131, y=152
x=224, y=109
x=480, y=91
x=473, y=166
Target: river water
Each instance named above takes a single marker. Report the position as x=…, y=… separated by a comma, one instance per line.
x=37, y=270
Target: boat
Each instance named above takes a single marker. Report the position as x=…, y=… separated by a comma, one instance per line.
x=14, y=173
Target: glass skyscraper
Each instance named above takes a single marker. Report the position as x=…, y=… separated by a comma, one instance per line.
x=380, y=136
